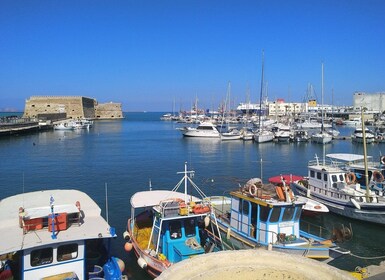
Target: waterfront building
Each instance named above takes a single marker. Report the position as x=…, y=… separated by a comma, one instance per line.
x=371, y=101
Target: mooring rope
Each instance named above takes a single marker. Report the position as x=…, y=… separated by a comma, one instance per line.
x=367, y=258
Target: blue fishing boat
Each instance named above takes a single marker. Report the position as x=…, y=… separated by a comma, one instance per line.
x=167, y=226
x=254, y=216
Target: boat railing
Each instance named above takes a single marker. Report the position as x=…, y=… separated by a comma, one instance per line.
x=327, y=162
x=314, y=229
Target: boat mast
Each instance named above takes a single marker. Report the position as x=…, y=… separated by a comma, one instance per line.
x=260, y=97
x=322, y=97
x=365, y=155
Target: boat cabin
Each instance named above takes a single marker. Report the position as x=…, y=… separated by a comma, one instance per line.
x=265, y=220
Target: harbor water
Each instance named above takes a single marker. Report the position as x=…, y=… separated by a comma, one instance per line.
x=124, y=156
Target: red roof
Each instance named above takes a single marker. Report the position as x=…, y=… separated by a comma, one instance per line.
x=287, y=177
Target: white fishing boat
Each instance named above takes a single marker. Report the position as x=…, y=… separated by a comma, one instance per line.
x=168, y=226
x=254, y=216
x=204, y=130
x=329, y=183
x=55, y=234
x=355, y=164
x=300, y=135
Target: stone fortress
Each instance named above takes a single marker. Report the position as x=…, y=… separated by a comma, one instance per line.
x=70, y=107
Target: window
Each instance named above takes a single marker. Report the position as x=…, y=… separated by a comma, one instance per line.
x=312, y=173
x=189, y=227
x=245, y=208
x=275, y=213
x=264, y=214
x=41, y=256
x=288, y=214
x=67, y=252
x=298, y=213
x=175, y=230
x=319, y=175
x=334, y=178
x=325, y=177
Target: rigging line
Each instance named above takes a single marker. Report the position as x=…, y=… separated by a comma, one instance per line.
x=366, y=258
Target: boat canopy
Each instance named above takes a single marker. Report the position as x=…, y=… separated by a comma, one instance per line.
x=153, y=198
x=288, y=179
x=346, y=157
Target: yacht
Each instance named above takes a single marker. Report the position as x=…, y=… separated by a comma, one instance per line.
x=205, y=130
x=358, y=135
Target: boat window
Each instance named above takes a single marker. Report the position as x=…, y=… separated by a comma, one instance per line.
x=312, y=173
x=341, y=177
x=189, y=227
x=41, y=256
x=325, y=177
x=298, y=213
x=275, y=213
x=175, y=228
x=288, y=213
x=319, y=175
x=334, y=178
x=264, y=213
x=245, y=208
x=67, y=252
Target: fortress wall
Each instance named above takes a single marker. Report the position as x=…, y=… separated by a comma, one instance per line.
x=71, y=107
x=108, y=111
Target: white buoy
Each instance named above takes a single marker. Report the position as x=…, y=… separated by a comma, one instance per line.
x=355, y=203
x=142, y=263
x=308, y=193
x=228, y=234
x=126, y=235
x=207, y=221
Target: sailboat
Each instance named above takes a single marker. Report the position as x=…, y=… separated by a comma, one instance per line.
x=261, y=135
x=322, y=137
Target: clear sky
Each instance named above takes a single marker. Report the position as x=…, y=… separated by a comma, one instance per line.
x=149, y=55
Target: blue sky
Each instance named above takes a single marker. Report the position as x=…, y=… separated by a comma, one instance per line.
x=146, y=54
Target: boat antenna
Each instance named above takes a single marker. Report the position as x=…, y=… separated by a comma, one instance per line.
x=105, y=187
x=150, y=185
x=23, y=190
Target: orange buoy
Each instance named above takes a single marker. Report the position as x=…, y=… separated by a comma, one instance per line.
x=128, y=246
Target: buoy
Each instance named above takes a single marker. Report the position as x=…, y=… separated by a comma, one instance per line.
x=126, y=236
x=142, y=263
x=228, y=234
x=207, y=221
x=128, y=246
x=121, y=264
x=355, y=203
x=308, y=194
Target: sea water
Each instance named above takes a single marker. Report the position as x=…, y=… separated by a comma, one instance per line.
x=126, y=156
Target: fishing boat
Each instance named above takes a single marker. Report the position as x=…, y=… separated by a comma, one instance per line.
x=355, y=164
x=55, y=234
x=258, y=218
x=330, y=183
x=168, y=226
x=310, y=208
x=67, y=125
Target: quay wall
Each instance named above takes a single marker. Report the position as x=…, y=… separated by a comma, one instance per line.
x=70, y=107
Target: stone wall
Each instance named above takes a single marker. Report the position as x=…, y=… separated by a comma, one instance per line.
x=371, y=101
x=109, y=110
x=55, y=107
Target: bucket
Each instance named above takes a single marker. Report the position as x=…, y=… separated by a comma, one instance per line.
x=96, y=273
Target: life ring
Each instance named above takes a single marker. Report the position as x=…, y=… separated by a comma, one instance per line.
x=377, y=176
x=382, y=160
x=253, y=190
x=350, y=178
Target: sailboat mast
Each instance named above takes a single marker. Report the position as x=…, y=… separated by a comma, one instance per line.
x=322, y=96
x=260, y=97
x=365, y=155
